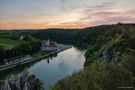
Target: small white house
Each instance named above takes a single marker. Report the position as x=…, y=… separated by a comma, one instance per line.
x=21, y=37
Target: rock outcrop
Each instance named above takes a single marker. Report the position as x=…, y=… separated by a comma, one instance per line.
x=23, y=82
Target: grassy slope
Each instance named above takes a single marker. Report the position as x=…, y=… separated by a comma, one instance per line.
x=9, y=43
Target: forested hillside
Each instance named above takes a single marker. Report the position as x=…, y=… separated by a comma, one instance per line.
x=110, y=55
x=110, y=60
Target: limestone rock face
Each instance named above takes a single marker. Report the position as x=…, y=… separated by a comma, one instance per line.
x=22, y=82
x=108, y=55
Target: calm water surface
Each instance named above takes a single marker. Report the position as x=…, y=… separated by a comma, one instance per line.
x=54, y=68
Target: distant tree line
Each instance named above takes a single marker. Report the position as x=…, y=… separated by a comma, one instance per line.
x=75, y=36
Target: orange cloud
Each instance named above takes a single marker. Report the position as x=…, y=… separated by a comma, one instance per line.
x=77, y=15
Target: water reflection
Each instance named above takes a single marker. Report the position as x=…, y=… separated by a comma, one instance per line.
x=52, y=68
x=19, y=69
x=64, y=64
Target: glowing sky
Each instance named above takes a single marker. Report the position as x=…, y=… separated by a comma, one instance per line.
x=39, y=14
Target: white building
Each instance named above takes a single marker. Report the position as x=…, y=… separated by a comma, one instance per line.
x=21, y=37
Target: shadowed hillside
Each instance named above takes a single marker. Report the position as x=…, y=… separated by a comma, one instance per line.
x=110, y=61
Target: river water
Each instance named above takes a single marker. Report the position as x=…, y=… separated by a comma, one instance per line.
x=52, y=69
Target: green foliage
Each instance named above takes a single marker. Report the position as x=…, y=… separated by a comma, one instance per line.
x=98, y=76
x=91, y=78
x=9, y=43
x=115, y=41
x=115, y=44
x=28, y=47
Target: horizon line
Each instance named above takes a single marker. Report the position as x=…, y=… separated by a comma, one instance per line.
x=68, y=28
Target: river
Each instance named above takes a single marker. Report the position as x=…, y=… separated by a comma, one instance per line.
x=52, y=69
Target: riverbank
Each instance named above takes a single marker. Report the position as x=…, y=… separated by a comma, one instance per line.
x=61, y=47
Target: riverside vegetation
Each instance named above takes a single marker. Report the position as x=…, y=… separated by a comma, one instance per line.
x=110, y=61
x=10, y=48
x=110, y=56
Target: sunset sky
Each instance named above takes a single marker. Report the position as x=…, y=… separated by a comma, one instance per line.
x=40, y=14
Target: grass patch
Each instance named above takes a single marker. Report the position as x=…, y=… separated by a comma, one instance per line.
x=9, y=43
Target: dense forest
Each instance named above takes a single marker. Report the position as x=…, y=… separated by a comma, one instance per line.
x=110, y=55
x=110, y=60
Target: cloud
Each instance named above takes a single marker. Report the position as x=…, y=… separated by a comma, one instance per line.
x=107, y=13
x=64, y=13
